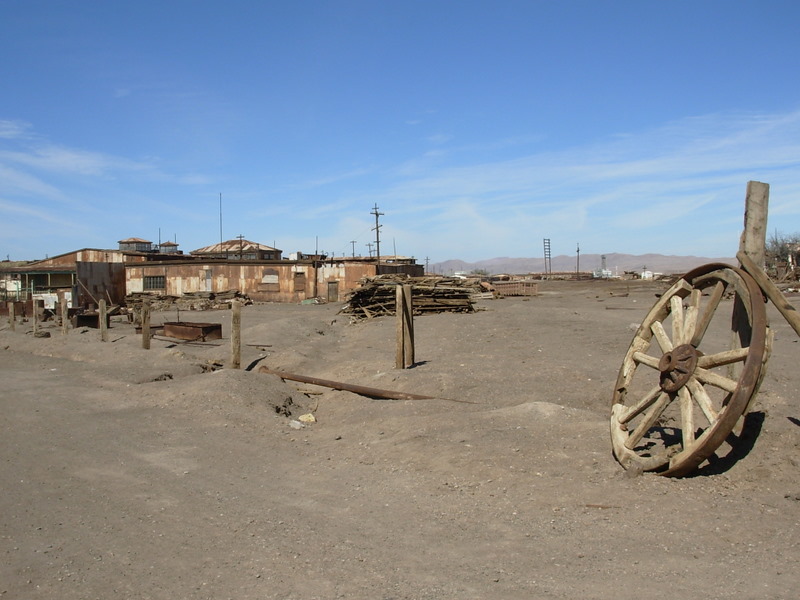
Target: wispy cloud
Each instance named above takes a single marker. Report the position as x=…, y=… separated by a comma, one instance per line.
x=60, y=159
x=13, y=129
x=20, y=183
x=13, y=208
x=684, y=182
x=439, y=138
x=678, y=188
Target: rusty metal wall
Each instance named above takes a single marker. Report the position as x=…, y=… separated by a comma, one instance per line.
x=346, y=273
x=104, y=280
x=262, y=281
x=278, y=281
x=412, y=270
x=86, y=255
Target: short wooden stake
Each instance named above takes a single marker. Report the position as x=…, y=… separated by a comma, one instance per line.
x=12, y=318
x=64, y=315
x=236, y=334
x=35, y=317
x=102, y=320
x=146, y=325
x=404, y=354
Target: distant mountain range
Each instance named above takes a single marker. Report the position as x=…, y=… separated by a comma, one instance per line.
x=616, y=263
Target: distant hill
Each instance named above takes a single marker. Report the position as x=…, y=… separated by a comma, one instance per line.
x=658, y=263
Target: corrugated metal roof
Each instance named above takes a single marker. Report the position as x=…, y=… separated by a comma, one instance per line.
x=233, y=246
x=134, y=241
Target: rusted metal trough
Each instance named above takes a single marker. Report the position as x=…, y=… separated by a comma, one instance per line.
x=183, y=330
x=88, y=319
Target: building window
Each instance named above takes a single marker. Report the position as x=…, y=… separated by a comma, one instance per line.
x=270, y=281
x=154, y=282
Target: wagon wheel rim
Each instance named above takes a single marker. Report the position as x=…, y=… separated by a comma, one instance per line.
x=681, y=389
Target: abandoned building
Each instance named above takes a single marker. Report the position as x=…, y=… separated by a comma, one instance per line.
x=262, y=280
x=256, y=270
x=85, y=275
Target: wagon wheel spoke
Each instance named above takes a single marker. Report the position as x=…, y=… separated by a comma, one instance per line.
x=711, y=331
x=703, y=399
x=643, y=404
x=715, y=379
x=661, y=336
x=645, y=359
x=723, y=358
x=676, y=304
x=711, y=307
x=656, y=410
x=692, y=313
x=687, y=417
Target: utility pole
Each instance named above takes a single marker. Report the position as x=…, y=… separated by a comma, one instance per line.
x=578, y=267
x=353, y=242
x=240, y=237
x=377, y=231
x=369, y=248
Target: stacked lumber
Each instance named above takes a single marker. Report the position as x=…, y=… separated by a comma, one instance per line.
x=376, y=296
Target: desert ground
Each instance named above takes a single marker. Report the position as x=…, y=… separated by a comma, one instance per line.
x=132, y=473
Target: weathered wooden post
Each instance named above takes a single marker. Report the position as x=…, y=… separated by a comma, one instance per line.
x=754, y=236
x=236, y=335
x=146, y=324
x=752, y=250
x=404, y=354
x=753, y=245
x=12, y=318
x=35, y=305
x=64, y=314
x=102, y=320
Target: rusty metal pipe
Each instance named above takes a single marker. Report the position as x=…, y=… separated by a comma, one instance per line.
x=348, y=387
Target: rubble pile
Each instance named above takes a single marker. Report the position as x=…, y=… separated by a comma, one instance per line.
x=188, y=301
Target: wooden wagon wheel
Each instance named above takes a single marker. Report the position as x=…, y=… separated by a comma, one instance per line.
x=690, y=372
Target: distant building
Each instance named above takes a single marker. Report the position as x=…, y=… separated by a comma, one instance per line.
x=87, y=275
x=135, y=245
x=168, y=248
x=238, y=249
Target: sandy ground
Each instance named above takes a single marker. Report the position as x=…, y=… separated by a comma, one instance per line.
x=131, y=473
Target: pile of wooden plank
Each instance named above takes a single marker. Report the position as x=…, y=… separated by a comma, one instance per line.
x=376, y=296
x=188, y=301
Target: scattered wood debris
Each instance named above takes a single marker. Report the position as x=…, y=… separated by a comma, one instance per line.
x=188, y=301
x=376, y=296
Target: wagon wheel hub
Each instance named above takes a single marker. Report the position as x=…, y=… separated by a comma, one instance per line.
x=677, y=366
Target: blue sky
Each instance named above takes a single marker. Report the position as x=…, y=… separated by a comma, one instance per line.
x=478, y=128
